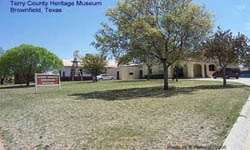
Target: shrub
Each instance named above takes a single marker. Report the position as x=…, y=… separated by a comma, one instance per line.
x=155, y=76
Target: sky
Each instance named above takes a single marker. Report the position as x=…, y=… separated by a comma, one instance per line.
x=74, y=28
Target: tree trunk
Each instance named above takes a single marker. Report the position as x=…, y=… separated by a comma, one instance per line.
x=177, y=74
x=94, y=78
x=224, y=77
x=2, y=79
x=165, y=69
x=28, y=83
x=149, y=73
x=28, y=80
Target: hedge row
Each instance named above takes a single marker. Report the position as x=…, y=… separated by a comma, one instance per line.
x=155, y=76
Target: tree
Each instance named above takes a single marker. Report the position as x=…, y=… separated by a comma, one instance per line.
x=1, y=51
x=243, y=50
x=26, y=60
x=4, y=73
x=137, y=57
x=247, y=63
x=167, y=30
x=227, y=49
x=93, y=64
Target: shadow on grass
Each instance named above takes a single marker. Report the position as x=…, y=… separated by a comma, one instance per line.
x=129, y=81
x=16, y=86
x=103, y=81
x=117, y=81
x=154, y=92
x=80, y=82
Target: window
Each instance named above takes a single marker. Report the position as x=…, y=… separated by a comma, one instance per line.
x=60, y=73
x=211, y=67
x=63, y=74
x=131, y=73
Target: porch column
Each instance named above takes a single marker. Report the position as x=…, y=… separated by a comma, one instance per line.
x=202, y=70
x=190, y=70
x=170, y=72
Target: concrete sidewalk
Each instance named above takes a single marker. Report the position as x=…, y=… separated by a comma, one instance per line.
x=247, y=143
x=239, y=136
x=245, y=81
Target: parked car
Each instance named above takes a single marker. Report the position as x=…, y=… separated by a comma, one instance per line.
x=230, y=72
x=105, y=77
x=245, y=74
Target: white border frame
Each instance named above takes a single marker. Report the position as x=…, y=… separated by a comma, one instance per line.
x=58, y=85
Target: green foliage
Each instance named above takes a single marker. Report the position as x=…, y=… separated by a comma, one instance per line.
x=1, y=51
x=4, y=73
x=138, y=57
x=93, y=64
x=3, y=67
x=155, y=76
x=26, y=60
x=167, y=30
x=220, y=47
x=243, y=49
x=227, y=49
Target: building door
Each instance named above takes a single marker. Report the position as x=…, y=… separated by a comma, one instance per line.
x=197, y=71
x=141, y=74
x=180, y=72
x=118, y=75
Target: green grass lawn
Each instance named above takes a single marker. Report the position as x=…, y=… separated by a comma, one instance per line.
x=119, y=115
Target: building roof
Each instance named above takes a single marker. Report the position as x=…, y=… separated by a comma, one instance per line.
x=202, y=60
x=112, y=64
x=69, y=63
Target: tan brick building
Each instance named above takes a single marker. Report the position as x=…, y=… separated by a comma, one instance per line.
x=187, y=69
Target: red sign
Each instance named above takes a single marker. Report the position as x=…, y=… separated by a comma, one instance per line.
x=47, y=79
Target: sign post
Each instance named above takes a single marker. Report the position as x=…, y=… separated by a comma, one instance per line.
x=47, y=80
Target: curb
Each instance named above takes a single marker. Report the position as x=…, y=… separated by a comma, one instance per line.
x=238, y=138
x=246, y=109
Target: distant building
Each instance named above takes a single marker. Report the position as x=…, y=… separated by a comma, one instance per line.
x=72, y=71
x=189, y=68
